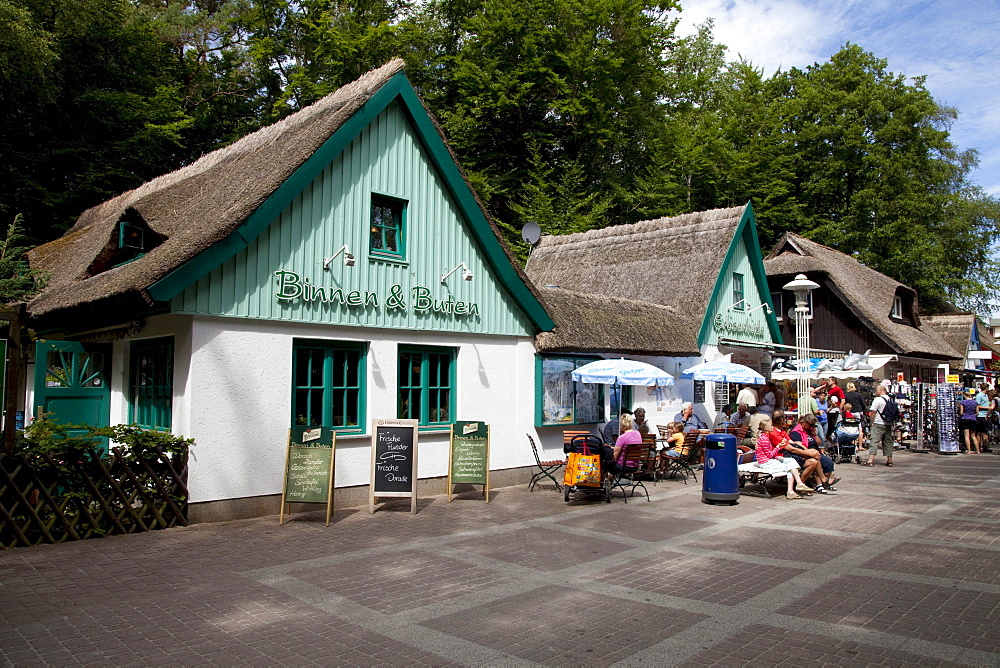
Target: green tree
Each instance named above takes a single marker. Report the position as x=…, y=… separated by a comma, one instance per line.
x=18, y=282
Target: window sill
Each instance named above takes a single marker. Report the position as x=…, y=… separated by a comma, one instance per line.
x=387, y=259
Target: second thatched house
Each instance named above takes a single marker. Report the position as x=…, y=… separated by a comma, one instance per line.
x=971, y=339
x=672, y=292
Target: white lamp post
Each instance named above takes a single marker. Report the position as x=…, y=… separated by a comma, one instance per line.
x=802, y=286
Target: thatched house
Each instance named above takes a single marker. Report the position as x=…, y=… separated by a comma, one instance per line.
x=855, y=309
x=328, y=270
x=671, y=291
x=965, y=333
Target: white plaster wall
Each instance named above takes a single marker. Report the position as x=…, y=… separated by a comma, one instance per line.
x=238, y=394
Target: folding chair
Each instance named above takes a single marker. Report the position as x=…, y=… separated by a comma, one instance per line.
x=690, y=456
x=636, y=458
x=545, y=468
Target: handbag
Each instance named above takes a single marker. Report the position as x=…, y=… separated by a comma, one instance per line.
x=582, y=468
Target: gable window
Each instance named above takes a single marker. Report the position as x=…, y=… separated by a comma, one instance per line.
x=388, y=228
x=131, y=239
x=328, y=385
x=559, y=400
x=897, y=307
x=151, y=383
x=778, y=304
x=739, y=300
x=426, y=385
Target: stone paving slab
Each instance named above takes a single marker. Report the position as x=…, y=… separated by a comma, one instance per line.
x=889, y=571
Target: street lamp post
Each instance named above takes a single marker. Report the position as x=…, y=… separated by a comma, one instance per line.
x=802, y=286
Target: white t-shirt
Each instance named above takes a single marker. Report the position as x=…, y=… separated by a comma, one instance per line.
x=747, y=396
x=878, y=405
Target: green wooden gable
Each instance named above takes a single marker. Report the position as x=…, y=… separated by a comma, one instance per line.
x=280, y=263
x=743, y=267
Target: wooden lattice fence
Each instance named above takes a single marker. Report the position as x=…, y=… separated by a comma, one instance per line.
x=49, y=500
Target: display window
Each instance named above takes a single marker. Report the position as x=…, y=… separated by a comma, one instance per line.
x=426, y=385
x=563, y=401
x=328, y=385
x=151, y=383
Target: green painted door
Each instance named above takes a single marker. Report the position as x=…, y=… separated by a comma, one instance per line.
x=71, y=382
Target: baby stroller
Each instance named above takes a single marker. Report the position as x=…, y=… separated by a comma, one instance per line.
x=589, y=445
x=845, y=439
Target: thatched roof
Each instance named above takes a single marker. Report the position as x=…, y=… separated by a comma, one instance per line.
x=868, y=293
x=667, y=262
x=202, y=204
x=596, y=324
x=956, y=329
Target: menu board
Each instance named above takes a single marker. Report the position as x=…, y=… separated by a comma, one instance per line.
x=394, y=461
x=309, y=465
x=469, y=458
x=699, y=391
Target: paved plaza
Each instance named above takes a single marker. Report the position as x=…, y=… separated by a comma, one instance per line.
x=900, y=567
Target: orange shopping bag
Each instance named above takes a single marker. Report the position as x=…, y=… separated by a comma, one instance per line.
x=582, y=468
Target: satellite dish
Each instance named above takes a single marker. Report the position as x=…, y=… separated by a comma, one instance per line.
x=531, y=233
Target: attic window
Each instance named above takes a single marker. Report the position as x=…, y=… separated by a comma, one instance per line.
x=897, y=307
x=130, y=239
x=388, y=228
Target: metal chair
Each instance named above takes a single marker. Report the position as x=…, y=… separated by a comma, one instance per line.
x=690, y=457
x=545, y=468
x=636, y=460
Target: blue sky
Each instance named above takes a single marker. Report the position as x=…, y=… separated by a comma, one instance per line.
x=955, y=43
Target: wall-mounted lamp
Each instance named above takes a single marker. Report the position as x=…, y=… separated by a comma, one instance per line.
x=767, y=309
x=348, y=257
x=466, y=272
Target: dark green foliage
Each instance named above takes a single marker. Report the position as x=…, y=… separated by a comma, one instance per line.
x=18, y=281
x=572, y=113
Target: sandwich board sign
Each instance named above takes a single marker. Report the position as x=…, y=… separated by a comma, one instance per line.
x=469, y=456
x=394, y=461
x=309, y=466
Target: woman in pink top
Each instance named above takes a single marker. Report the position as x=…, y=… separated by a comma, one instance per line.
x=629, y=436
x=769, y=458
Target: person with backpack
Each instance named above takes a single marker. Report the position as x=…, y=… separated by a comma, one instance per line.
x=883, y=413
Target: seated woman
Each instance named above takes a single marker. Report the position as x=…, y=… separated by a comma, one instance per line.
x=806, y=448
x=770, y=458
x=629, y=436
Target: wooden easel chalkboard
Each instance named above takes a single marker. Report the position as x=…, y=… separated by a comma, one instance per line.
x=394, y=461
x=309, y=466
x=469, y=456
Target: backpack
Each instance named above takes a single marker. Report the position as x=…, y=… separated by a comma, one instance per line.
x=891, y=411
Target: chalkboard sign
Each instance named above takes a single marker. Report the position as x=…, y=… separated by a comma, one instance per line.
x=469, y=458
x=699, y=391
x=394, y=461
x=309, y=466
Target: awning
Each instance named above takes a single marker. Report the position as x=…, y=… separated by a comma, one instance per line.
x=876, y=361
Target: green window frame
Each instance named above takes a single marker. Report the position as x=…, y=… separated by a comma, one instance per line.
x=387, y=233
x=426, y=385
x=739, y=295
x=559, y=400
x=328, y=385
x=151, y=383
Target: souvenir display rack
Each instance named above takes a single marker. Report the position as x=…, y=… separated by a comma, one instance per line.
x=906, y=427
x=947, y=419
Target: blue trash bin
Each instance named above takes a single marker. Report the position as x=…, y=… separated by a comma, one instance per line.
x=720, y=479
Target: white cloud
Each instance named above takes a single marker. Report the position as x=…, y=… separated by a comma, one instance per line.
x=956, y=47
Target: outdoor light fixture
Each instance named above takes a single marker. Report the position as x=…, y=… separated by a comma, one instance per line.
x=466, y=272
x=802, y=286
x=348, y=257
x=767, y=309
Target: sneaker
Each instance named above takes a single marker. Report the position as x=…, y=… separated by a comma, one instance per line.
x=792, y=495
x=819, y=489
x=831, y=488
